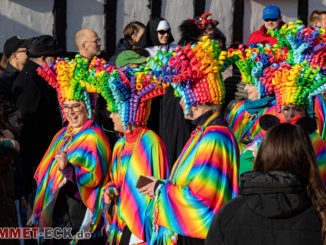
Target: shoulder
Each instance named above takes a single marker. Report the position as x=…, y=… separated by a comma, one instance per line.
x=151, y=138
x=217, y=134
x=230, y=210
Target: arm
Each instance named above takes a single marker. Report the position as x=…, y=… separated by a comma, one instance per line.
x=214, y=181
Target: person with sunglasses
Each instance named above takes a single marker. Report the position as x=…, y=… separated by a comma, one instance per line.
x=13, y=61
x=272, y=20
x=157, y=36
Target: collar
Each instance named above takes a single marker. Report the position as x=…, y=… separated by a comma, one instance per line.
x=11, y=69
x=202, y=118
x=131, y=136
x=253, y=106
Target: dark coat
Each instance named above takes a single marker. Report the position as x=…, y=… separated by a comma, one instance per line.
x=273, y=208
x=37, y=102
x=122, y=45
x=7, y=78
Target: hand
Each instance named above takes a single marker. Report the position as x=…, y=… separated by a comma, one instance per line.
x=149, y=189
x=109, y=195
x=62, y=157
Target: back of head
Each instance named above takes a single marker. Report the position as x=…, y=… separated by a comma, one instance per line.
x=286, y=147
x=44, y=45
x=189, y=33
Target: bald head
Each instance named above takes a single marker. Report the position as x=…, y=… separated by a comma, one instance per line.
x=88, y=43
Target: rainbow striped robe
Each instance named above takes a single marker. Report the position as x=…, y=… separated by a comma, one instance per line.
x=246, y=126
x=320, y=114
x=89, y=152
x=131, y=158
x=203, y=179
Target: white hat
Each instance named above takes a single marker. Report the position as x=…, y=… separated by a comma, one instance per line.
x=163, y=25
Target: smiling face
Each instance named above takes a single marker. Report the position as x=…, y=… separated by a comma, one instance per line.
x=272, y=24
x=118, y=126
x=290, y=111
x=163, y=36
x=76, y=112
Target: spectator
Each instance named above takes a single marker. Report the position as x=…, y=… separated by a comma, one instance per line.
x=15, y=52
x=132, y=33
x=282, y=201
x=88, y=43
x=318, y=18
x=272, y=20
x=9, y=148
x=192, y=30
x=38, y=105
x=157, y=36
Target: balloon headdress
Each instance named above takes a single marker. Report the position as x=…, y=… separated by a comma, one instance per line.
x=129, y=92
x=68, y=78
x=295, y=85
x=301, y=75
x=195, y=72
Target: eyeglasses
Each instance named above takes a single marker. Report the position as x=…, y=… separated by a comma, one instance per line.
x=162, y=32
x=74, y=107
x=98, y=40
x=266, y=20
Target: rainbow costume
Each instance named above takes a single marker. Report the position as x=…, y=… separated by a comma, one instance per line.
x=139, y=152
x=205, y=175
x=87, y=148
x=244, y=117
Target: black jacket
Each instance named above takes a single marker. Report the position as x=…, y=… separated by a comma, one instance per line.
x=37, y=102
x=272, y=208
x=122, y=45
x=7, y=78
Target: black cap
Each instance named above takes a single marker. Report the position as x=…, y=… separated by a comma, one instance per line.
x=43, y=46
x=13, y=44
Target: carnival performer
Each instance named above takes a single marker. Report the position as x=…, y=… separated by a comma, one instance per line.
x=138, y=152
x=295, y=84
x=74, y=168
x=295, y=88
x=305, y=45
x=244, y=117
x=204, y=177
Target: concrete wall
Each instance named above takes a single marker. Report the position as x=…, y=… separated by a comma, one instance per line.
x=222, y=11
x=26, y=18
x=253, y=12
x=176, y=11
x=81, y=14
x=316, y=4
x=34, y=17
x=131, y=10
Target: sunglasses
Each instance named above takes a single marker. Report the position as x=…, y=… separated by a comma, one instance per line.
x=266, y=20
x=162, y=32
